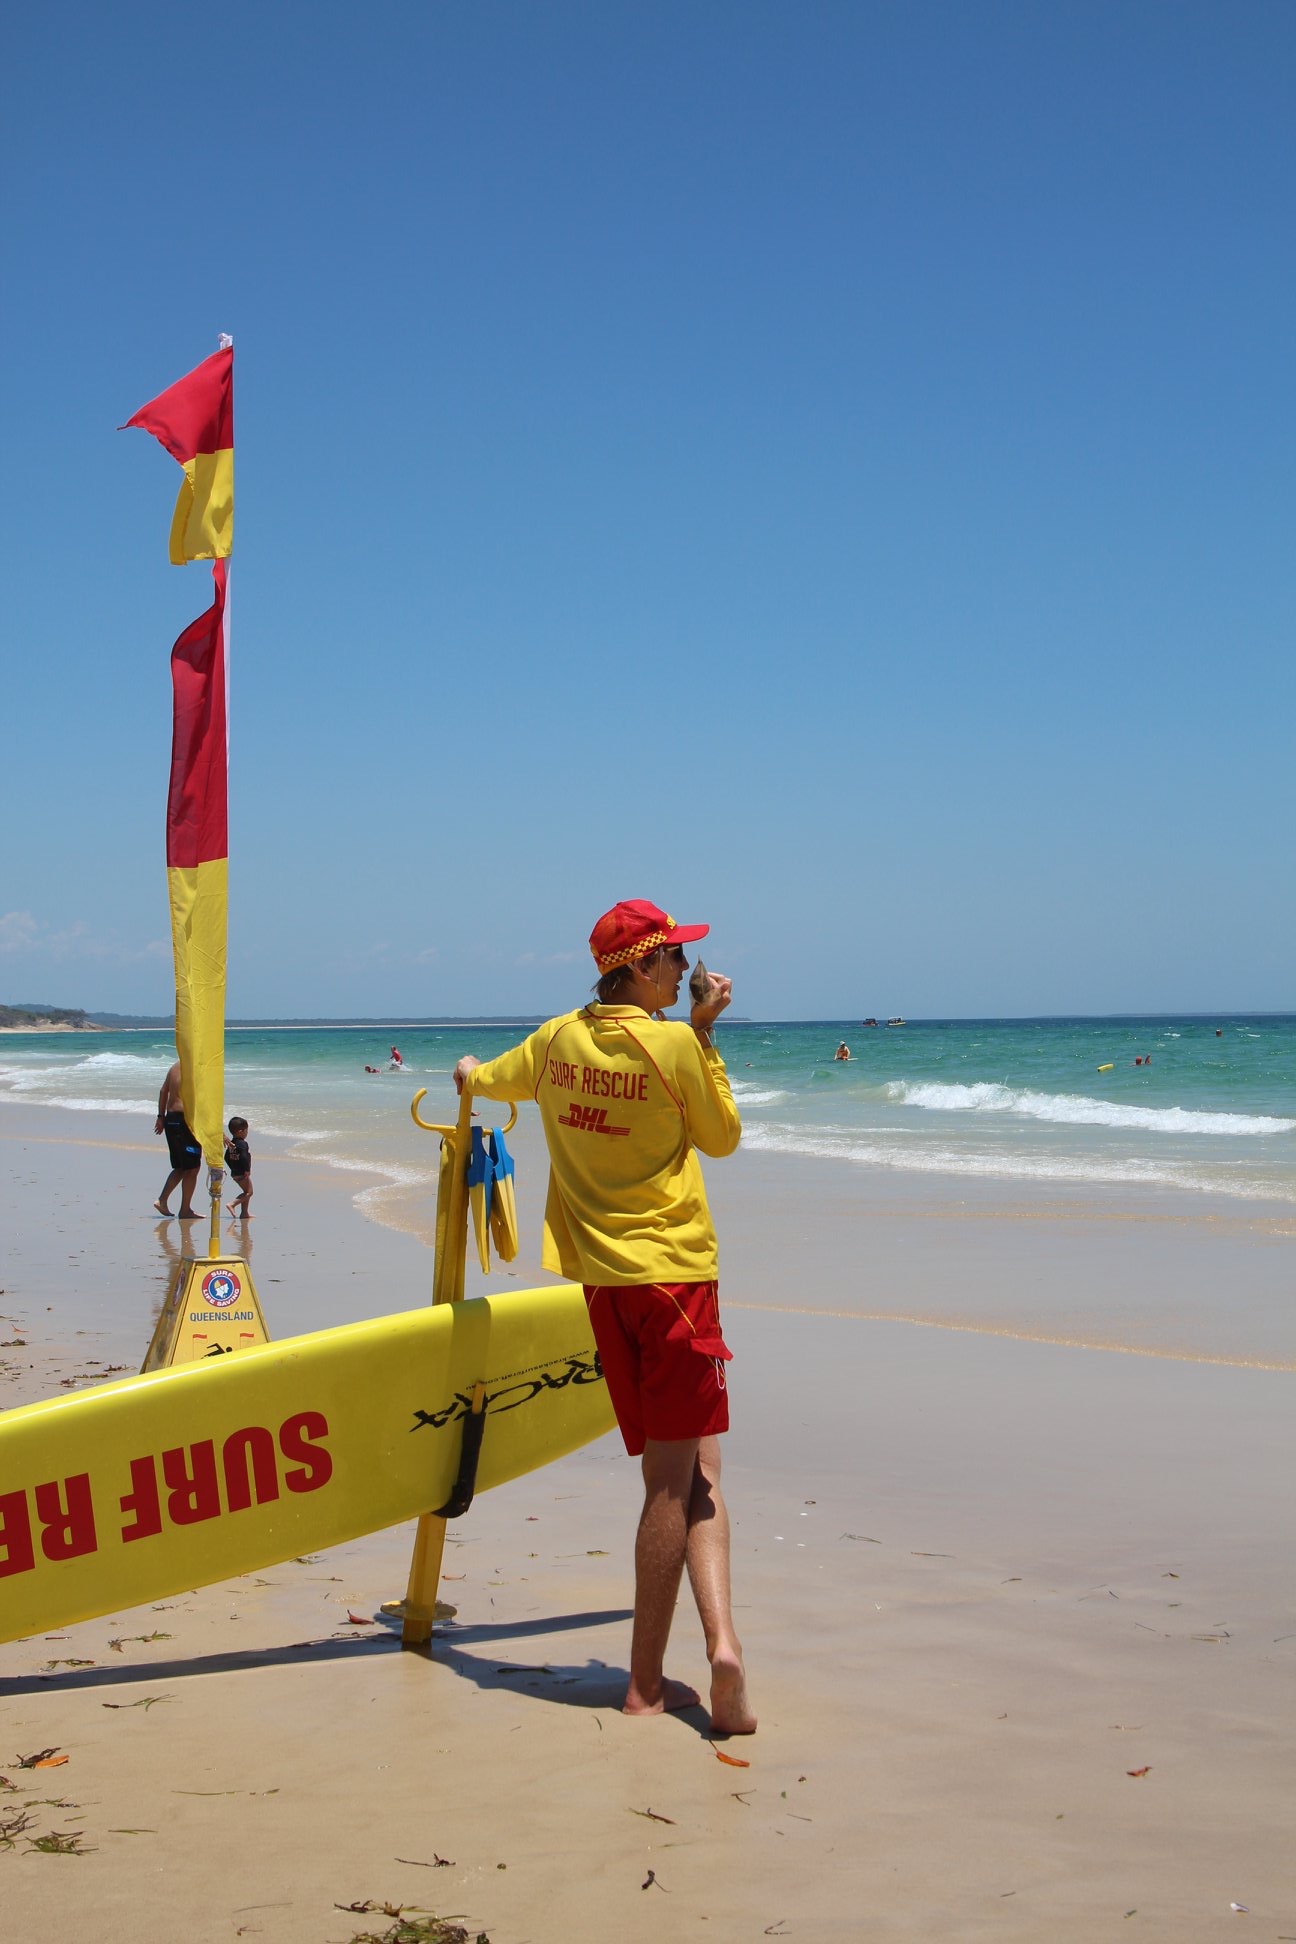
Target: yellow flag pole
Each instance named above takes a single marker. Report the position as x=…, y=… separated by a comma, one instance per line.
x=215, y=1183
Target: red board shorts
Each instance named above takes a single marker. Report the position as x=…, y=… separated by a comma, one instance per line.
x=663, y=1357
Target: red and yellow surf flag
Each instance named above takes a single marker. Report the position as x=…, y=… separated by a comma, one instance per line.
x=197, y=855
x=194, y=420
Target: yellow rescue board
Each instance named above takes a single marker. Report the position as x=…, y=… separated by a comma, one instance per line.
x=120, y=1494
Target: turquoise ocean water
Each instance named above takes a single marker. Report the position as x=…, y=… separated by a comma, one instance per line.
x=1010, y=1100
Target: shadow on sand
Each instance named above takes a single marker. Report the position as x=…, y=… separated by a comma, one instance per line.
x=447, y=1645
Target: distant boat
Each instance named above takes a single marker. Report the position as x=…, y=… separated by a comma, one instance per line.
x=868, y=1022
x=896, y=1022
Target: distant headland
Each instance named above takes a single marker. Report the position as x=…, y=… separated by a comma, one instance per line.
x=46, y=1019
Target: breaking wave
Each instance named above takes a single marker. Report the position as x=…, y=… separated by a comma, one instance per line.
x=1075, y=1110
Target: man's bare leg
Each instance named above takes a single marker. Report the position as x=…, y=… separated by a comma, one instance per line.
x=188, y=1213
x=161, y=1203
x=660, y=1547
x=708, y=1569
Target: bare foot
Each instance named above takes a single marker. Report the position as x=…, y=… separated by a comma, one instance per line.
x=731, y=1711
x=161, y=1208
x=674, y=1694
x=188, y=1214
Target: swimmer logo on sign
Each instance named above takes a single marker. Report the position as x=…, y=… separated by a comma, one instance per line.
x=221, y=1289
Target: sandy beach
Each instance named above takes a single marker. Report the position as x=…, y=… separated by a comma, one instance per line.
x=1018, y=1613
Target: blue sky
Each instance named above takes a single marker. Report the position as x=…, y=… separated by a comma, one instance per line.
x=827, y=468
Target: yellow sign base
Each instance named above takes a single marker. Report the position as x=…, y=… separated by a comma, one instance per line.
x=211, y=1308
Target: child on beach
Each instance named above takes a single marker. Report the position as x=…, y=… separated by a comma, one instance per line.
x=238, y=1159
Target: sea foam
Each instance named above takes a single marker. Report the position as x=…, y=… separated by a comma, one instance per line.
x=1075, y=1110
x=1080, y=1169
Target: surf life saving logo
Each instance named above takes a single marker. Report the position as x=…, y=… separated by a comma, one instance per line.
x=221, y=1288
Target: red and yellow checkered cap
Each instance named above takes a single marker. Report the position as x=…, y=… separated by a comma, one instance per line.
x=633, y=929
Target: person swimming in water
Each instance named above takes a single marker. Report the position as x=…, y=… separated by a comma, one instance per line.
x=843, y=1052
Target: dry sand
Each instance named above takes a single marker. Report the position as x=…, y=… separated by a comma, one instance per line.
x=980, y=1579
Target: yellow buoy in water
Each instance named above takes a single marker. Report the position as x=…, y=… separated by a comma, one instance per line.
x=1108, y=1068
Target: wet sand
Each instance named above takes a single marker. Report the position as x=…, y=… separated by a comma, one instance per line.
x=979, y=1578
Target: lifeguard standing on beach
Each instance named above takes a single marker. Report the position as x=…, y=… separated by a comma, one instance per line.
x=626, y=1099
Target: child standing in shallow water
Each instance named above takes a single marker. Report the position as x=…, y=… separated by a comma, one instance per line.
x=238, y=1159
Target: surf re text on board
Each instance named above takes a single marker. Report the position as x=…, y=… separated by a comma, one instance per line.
x=61, y=1513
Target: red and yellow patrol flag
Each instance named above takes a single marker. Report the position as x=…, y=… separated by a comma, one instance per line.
x=194, y=420
x=197, y=855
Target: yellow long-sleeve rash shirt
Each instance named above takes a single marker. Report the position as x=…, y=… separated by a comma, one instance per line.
x=625, y=1101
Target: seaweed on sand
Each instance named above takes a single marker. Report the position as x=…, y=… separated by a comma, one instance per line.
x=427, y=1929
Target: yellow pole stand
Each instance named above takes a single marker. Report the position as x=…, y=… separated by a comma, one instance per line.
x=418, y=1609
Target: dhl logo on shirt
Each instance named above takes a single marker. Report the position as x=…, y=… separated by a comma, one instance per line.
x=588, y=1120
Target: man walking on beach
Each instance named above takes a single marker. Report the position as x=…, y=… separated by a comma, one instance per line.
x=186, y=1155
x=625, y=1098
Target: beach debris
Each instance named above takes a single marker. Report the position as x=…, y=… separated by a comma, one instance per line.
x=1244, y=1908
x=732, y=1761
x=51, y=1665
x=360, y=1619
x=132, y=1832
x=776, y=1928
x=61, y=1842
x=862, y=1537
x=654, y=1817
x=43, y=1758
x=428, y=1929
x=650, y=1880
x=11, y=1826
x=1216, y=1639
x=741, y=1795
x=1145, y=1770
x=128, y=1640
x=363, y=1909
x=145, y=1701
x=437, y=1863
x=926, y=1555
